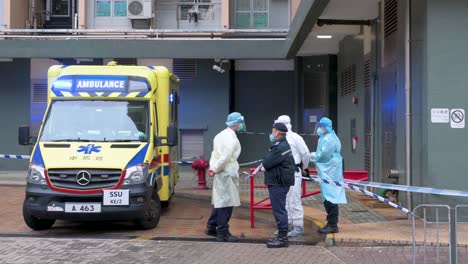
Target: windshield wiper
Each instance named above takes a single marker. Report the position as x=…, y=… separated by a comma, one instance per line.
x=70, y=140
x=123, y=140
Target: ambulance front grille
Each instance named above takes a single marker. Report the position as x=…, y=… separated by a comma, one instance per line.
x=100, y=179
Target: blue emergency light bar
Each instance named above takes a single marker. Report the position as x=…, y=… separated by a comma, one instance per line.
x=78, y=83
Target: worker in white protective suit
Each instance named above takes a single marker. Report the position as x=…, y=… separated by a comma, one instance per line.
x=301, y=156
x=225, y=170
x=329, y=164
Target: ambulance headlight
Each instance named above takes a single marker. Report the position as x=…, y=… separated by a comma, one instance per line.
x=136, y=174
x=36, y=174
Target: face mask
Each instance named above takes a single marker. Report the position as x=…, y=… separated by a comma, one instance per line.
x=320, y=132
x=272, y=138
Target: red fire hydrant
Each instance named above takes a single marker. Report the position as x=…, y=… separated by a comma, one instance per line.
x=200, y=165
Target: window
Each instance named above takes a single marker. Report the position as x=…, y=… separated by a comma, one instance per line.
x=205, y=9
x=106, y=121
x=252, y=13
x=107, y=8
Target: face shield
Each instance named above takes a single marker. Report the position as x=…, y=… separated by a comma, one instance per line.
x=237, y=120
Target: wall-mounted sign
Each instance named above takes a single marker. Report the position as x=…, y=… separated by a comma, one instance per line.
x=440, y=115
x=457, y=118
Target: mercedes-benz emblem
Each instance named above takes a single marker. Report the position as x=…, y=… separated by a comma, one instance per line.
x=83, y=178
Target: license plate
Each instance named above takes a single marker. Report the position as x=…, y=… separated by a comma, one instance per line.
x=116, y=197
x=82, y=207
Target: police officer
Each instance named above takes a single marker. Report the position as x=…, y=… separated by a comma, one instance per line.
x=279, y=176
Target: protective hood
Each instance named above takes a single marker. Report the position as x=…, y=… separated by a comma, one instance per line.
x=285, y=120
x=326, y=123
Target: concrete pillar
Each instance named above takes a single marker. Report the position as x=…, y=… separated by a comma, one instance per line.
x=294, y=6
x=81, y=14
x=224, y=15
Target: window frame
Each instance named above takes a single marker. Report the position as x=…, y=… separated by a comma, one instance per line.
x=252, y=13
x=112, y=9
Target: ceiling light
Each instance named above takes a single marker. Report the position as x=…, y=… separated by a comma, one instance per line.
x=324, y=36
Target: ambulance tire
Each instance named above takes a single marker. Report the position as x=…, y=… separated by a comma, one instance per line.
x=36, y=223
x=165, y=204
x=153, y=213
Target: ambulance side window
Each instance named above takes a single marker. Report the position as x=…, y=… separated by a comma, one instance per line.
x=173, y=107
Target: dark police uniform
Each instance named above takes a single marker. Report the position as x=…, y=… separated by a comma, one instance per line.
x=279, y=176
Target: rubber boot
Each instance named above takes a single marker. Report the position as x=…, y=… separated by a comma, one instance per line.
x=280, y=241
x=297, y=231
x=210, y=230
x=226, y=237
x=329, y=229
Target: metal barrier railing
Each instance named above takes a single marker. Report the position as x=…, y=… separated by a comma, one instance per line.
x=262, y=205
x=457, y=215
x=450, y=220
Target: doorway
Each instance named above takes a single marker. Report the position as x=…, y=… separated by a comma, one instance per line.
x=60, y=14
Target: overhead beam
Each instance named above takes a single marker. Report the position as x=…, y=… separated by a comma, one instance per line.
x=157, y=48
x=306, y=16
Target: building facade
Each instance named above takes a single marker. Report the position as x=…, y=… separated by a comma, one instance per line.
x=376, y=67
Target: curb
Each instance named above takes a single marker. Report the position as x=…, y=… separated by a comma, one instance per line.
x=12, y=183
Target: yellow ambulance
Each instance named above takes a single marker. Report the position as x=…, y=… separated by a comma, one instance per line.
x=107, y=146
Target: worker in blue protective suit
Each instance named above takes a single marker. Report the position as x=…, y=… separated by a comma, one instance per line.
x=225, y=170
x=329, y=164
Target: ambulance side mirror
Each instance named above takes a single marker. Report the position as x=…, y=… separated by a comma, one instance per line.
x=23, y=136
x=171, y=140
x=172, y=136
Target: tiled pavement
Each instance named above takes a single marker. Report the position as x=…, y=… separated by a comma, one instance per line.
x=64, y=250
x=354, y=211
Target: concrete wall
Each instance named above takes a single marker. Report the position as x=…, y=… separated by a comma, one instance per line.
x=261, y=95
x=351, y=53
x=16, y=13
x=14, y=106
x=441, y=66
x=2, y=15
x=204, y=102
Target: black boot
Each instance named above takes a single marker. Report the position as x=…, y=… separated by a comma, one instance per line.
x=210, y=230
x=226, y=237
x=329, y=229
x=280, y=241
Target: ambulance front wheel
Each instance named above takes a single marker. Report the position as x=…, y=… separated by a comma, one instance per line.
x=153, y=213
x=36, y=223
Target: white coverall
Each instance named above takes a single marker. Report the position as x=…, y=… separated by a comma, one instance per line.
x=226, y=150
x=301, y=153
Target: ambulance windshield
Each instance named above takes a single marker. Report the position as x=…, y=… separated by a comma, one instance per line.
x=106, y=121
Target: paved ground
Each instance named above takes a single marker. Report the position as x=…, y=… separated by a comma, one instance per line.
x=65, y=250
x=367, y=235
x=184, y=218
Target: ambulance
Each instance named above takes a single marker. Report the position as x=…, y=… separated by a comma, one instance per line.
x=107, y=146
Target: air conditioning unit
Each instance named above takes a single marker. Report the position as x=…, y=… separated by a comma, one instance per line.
x=140, y=9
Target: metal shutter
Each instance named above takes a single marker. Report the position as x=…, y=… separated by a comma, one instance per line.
x=192, y=143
